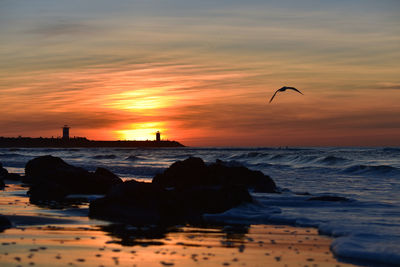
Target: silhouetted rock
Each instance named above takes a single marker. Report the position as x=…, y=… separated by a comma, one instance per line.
x=194, y=172
x=185, y=191
x=131, y=201
x=14, y=177
x=46, y=191
x=4, y=223
x=148, y=203
x=3, y=172
x=328, y=198
x=106, y=177
x=209, y=199
x=3, y=175
x=52, y=172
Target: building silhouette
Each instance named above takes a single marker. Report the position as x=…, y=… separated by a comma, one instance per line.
x=158, y=136
x=65, y=132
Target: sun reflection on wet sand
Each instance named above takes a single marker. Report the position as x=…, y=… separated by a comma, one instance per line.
x=50, y=235
x=79, y=245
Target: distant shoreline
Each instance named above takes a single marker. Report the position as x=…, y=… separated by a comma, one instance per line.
x=29, y=142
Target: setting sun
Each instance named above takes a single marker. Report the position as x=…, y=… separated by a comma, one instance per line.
x=141, y=131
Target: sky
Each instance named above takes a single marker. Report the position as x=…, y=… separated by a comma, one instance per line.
x=202, y=72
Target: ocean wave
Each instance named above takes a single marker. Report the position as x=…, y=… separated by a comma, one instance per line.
x=72, y=149
x=14, y=149
x=269, y=165
x=252, y=154
x=133, y=158
x=141, y=171
x=229, y=163
x=11, y=155
x=367, y=169
x=277, y=157
x=294, y=159
x=110, y=156
x=368, y=248
x=332, y=160
x=353, y=239
x=391, y=149
x=303, y=159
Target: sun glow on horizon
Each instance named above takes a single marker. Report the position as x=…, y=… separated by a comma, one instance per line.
x=142, y=131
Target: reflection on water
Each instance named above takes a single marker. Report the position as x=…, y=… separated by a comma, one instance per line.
x=111, y=245
x=67, y=237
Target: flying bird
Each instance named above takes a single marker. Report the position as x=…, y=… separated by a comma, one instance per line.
x=284, y=89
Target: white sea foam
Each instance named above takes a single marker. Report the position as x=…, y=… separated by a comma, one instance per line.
x=360, y=233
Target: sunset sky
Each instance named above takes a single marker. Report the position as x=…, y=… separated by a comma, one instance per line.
x=202, y=72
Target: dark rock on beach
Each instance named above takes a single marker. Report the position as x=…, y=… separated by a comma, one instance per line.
x=106, y=177
x=4, y=223
x=3, y=175
x=3, y=172
x=185, y=191
x=143, y=203
x=47, y=191
x=51, y=178
x=194, y=172
x=130, y=201
x=13, y=177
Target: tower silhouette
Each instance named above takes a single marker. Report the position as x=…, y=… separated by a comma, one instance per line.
x=65, y=132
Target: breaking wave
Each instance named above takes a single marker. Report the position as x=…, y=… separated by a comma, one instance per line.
x=332, y=160
x=366, y=169
x=133, y=158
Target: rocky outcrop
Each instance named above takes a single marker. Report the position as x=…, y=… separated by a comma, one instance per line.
x=3, y=175
x=130, y=201
x=148, y=203
x=194, y=172
x=182, y=193
x=14, y=177
x=4, y=223
x=51, y=178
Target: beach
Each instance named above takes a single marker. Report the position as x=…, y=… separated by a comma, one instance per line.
x=309, y=223
x=44, y=237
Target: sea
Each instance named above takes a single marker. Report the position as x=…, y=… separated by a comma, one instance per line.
x=365, y=228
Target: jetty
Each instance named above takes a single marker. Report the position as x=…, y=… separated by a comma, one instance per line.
x=27, y=142
x=66, y=142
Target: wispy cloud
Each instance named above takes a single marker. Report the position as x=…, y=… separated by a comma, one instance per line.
x=62, y=27
x=390, y=86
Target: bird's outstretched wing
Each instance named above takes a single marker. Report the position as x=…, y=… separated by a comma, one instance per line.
x=273, y=95
x=294, y=89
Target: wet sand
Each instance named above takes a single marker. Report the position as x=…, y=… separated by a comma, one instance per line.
x=66, y=237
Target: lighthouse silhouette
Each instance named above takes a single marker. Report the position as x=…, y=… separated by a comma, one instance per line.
x=65, y=132
x=158, y=136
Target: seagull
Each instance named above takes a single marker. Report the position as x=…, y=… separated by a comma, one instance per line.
x=284, y=89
